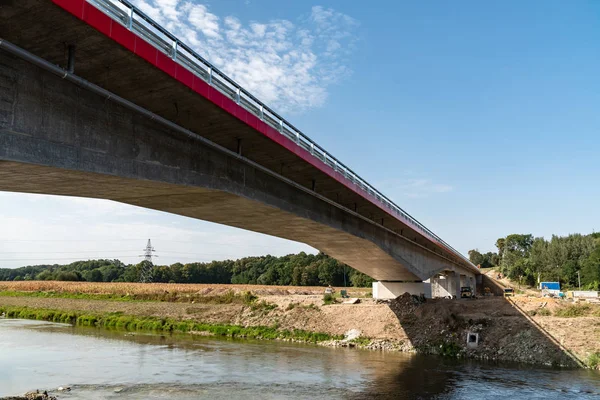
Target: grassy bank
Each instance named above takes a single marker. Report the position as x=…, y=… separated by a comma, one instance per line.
x=136, y=323
x=228, y=297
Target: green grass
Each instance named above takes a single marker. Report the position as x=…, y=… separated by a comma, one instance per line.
x=361, y=341
x=573, y=311
x=593, y=360
x=136, y=323
x=229, y=297
x=67, y=295
x=262, y=306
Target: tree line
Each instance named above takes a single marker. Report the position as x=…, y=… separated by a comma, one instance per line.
x=530, y=260
x=294, y=269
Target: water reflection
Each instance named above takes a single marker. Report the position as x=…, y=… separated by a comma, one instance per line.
x=109, y=364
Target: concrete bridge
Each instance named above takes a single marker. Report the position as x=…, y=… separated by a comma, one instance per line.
x=97, y=100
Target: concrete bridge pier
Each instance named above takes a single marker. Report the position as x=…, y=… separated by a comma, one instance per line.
x=387, y=290
x=454, y=281
x=439, y=286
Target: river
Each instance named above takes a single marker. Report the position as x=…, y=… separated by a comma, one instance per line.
x=103, y=364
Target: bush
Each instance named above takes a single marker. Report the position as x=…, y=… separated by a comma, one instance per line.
x=328, y=299
x=248, y=297
x=544, y=312
x=450, y=349
x=541, y=312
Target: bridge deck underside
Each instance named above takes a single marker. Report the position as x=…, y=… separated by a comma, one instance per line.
x=209, y=205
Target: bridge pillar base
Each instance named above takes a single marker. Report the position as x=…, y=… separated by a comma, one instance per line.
x=387, y=290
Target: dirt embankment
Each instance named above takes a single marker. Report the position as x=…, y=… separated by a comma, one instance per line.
x=504, y=329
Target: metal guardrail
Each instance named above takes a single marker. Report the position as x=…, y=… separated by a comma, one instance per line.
x=135, y=20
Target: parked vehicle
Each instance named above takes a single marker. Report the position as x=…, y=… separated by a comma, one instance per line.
x=509, y=292
x=466, y=292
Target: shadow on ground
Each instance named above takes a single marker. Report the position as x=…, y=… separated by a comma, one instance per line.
x=500, y=328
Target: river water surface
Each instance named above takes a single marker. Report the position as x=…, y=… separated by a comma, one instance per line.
x=102, y=364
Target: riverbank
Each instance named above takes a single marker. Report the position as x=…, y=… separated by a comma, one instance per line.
x=506, y=331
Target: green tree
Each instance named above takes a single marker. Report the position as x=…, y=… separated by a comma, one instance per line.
x=476, y=257
x=95, y=275
x=45, y=276
x=590, y=271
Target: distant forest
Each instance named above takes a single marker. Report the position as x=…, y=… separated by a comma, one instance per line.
x=526, y=259
x=521, y=257
x=295, y=269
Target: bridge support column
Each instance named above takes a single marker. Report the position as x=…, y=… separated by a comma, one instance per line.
x=454, y=284
x=386, y=290
x=464, y=281
x=439, y=286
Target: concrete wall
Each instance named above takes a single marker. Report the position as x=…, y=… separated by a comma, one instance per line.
x=56, y=138
x=440, y=286
x=391, y=290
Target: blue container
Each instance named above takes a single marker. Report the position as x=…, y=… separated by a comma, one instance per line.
x=550, y=285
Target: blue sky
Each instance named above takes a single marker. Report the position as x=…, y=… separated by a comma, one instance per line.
x=479, y=118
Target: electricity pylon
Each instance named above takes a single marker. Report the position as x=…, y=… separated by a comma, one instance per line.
x=146, y=270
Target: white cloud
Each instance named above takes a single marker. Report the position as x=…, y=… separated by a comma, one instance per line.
x=200, y=18
x=413, y=188
x=287, y=65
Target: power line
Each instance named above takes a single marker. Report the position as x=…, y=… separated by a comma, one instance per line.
x=70, y=258
x=60, y=252
x=106, y=258
x=197, y=242
x=65, y=240
x=98, y=251
x=193, y=259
